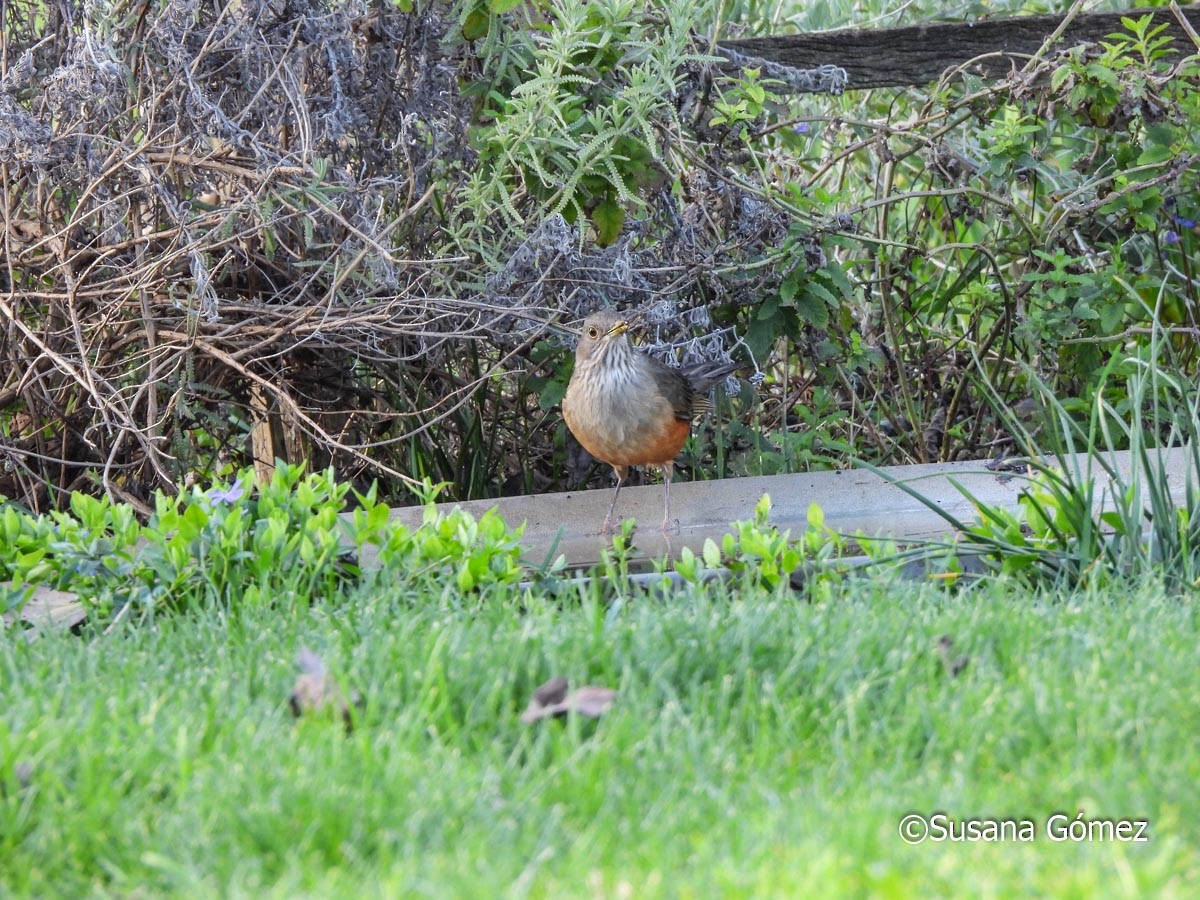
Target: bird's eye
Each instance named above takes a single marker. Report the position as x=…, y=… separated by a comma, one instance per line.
x=593, y=332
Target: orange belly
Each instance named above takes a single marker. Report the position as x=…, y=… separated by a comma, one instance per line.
x=658, y=448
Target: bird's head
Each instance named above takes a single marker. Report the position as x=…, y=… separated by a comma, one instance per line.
x=603, y=333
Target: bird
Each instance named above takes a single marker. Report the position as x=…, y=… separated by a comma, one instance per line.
x=629, y=409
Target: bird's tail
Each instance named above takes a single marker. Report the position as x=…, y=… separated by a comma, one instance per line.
x=704, y=375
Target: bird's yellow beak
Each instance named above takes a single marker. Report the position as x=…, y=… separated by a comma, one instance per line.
x=619, y=328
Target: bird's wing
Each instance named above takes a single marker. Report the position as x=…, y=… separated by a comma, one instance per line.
x=687, y=388
x=672, y=384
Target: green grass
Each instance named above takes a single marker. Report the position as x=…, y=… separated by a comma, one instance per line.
x=761, y=745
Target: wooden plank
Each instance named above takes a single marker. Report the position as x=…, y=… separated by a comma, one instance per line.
x=853, y=501
x=919, y=54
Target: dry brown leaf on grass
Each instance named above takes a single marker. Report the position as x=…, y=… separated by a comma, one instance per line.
x=316, y=693
x=555, y=699
x=953, y=662
x=22, y=778
x=44, y=608
x=553, y=691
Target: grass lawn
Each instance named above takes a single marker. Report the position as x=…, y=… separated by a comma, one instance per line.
x=761, y=745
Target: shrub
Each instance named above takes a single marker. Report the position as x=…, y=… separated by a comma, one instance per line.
x=290, y=541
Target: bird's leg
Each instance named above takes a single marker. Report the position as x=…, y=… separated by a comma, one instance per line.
x=608, y=527
x=668, y=471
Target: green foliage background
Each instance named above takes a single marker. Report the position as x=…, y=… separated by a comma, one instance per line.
x=930, y=240
x=877, y=257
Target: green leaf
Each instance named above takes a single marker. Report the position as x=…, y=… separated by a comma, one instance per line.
x=813, y=306
x=788, y=288
x=499, y=7
x=762, y=510
x=475, y=25
x=838, y=278
x=608, y=218
x=816, y=515
x=464, y=579
x=1061, y=75
x=762, y=330
x=1103, y=74
x=1112, y=315
x=1155, y=153
x=686, y=564
x=551, y=393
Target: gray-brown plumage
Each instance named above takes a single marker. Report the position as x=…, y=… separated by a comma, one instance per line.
x=629, y=409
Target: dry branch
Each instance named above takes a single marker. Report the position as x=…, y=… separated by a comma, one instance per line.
x=204, y=228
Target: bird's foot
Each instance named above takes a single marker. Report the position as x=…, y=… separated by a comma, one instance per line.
x=611, y=528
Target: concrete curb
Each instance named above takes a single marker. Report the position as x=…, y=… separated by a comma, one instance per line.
x=853, y=501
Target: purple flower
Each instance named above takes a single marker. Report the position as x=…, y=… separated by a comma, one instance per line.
x=801, y=128
x=1171, y=237
x=230, y=495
